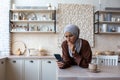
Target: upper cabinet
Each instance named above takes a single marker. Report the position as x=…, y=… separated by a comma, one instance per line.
x=32, y=20
x=107, y=22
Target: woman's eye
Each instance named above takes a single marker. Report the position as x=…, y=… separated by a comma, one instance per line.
x=69, y=36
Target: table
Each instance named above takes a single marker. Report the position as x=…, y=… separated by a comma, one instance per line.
x=78, y=73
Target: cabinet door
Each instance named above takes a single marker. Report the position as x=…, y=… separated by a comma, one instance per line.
x=2, y=69
x=48, y=69
x=14, y=69
x=94, y=60
x=32, y=69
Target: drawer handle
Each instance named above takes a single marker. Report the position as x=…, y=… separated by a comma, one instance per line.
x=14, y=61
x=2, y=62
x=31, y=61
x=49, y=61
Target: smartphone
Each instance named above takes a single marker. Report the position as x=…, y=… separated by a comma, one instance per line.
x=58, y=57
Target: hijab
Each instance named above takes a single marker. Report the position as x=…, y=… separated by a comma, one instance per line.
x=74, y=30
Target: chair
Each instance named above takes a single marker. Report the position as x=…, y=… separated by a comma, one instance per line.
x=109, y=60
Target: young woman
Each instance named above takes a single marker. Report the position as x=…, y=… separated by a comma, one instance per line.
x=75, y=51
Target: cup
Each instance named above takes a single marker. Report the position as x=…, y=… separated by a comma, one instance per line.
x=113, y=19
x=104, y=28
x=92, y=67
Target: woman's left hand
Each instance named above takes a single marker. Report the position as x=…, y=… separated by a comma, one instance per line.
x=60, y=64
x=71, y=46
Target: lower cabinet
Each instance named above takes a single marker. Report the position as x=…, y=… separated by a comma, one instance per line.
x=2, y=69
x=48, y=69
x=14, y=69
x=31, y=69
x=94, y=60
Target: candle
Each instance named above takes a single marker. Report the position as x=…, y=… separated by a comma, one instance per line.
x=99, y=1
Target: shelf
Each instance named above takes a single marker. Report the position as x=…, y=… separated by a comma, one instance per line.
x=36, y=19
x=32, y=10
x=32, y=32
x=108, y=11
x=108, y=33
x=106, y=22
x=33, y=21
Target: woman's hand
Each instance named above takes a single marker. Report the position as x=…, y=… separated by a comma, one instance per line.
x=60, y=64
x=71, y=46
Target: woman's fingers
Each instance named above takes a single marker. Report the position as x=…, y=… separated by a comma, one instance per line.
x=60, y=64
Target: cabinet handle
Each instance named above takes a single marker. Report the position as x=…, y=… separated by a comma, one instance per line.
x=49, y=62
x=14, y=61
x=31, y=61
x=2, y=62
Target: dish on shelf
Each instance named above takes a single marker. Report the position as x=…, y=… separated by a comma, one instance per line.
x=44, y=28
x=31, y=16
x=18, y=48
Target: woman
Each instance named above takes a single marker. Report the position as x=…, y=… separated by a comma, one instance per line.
x=75, y=51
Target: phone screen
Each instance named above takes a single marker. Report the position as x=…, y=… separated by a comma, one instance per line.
x=58, y=57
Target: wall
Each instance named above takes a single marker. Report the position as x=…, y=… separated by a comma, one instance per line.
x=4, y=28
x=102, y=42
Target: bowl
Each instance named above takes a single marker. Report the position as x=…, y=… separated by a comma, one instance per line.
x=99, y=53
x=109, y=52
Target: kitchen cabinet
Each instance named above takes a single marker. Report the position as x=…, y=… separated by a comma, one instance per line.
x=94, y=60
x=48, y=69
x=14, y=69
x=32, y=69
x=32, y=20
x=107, y=22
x=2, y=69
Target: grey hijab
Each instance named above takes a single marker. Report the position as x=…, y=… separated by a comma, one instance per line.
x=74, y=30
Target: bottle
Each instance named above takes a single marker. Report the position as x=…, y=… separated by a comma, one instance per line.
x=13, y=6
x=49, y=6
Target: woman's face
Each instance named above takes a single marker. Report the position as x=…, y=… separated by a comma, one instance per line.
x=69, y=37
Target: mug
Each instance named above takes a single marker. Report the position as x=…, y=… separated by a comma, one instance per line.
x=92, y=67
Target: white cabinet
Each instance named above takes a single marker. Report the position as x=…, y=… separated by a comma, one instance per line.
x=48, y=69
x=2, y=69
x=94, y=60
x=14, y=69
x=32, y=69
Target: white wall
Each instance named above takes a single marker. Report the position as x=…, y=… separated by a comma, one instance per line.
x=4, y=27
x=102, y=42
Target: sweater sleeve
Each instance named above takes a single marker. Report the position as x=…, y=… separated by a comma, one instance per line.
x=84, y=57
x=65, y=55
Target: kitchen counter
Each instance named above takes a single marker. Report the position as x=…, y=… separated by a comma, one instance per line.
x=78, y=73
x=28, y=57
x=33, y=57
x=3, y=57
